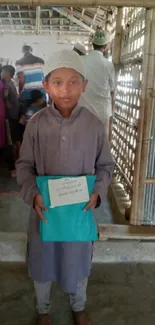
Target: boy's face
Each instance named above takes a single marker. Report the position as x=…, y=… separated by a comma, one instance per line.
x=65, y=87
x=5, y=75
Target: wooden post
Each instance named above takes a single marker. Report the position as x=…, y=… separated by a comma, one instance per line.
x=144, y=121
x=118, y=37
x=116, y=57
x=37, y=20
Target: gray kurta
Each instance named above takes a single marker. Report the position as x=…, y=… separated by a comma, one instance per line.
x=54, y=145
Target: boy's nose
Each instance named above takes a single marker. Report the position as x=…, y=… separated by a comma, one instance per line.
x=65, y=88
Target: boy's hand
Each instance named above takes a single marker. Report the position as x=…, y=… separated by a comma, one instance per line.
x=92, y=202
x=22, y=120
x=38, y=206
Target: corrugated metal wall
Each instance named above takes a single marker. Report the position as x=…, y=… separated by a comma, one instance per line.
x=149, y=201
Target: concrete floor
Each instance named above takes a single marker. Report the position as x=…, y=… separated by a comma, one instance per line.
x=118, y=294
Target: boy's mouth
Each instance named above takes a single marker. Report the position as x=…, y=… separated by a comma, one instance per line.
x=65, y=99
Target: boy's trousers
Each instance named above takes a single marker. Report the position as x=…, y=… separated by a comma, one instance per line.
x=43, y=291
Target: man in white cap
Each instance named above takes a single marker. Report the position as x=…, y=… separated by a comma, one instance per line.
x=80, y=49
x=99, y=94
x=63, y=139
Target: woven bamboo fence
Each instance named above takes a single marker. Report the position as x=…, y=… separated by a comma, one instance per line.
x=128, y=97
x=133, y=135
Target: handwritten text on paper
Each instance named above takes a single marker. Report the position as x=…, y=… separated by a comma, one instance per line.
x=66, y=191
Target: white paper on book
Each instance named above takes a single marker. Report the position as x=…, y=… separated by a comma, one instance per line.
x=67, y=191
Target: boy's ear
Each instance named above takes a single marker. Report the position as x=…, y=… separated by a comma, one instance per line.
x=85, y=82
x=45, y=85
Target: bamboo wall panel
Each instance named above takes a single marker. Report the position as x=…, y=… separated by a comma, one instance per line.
x=124, y=137
x=148, y=217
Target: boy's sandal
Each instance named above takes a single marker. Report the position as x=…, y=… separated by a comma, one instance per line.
x=44, y=319
x=81, y=318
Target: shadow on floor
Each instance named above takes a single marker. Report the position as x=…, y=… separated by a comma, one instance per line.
x=118, y=294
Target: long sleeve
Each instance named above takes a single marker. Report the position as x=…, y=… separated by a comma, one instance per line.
x=26, y=174
x=112, y=81
x=104, y=166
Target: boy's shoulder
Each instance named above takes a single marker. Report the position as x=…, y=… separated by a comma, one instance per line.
x=39, y=115
x=85, y=115
x=10, y=86
x=91, y=118
x=10, y=83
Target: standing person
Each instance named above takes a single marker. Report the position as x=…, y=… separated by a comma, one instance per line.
x=99, y=95
x=29, y=70
x=12, y=116
x=2, y=113
x=63, y=139
x=37, y=103
x=80, y=49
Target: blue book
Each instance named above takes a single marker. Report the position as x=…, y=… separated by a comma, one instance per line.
x=66, y=223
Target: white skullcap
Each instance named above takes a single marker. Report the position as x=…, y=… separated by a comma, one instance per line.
x=80, y=47
x=66, y=59
x=101, y=38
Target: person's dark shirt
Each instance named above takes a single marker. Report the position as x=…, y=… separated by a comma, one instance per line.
x=33, y=74
x=11, y=100
x=29, y=59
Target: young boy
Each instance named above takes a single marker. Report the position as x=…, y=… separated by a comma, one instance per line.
x=37, y=103
x=63, y=139
x=12, y=115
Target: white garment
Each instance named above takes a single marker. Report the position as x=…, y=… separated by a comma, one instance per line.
x=100, y=74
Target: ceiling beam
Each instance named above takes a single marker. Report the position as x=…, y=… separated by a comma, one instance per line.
x=46, y=27
x=43, y=31
x=69, y=16
x=83, y=3
x=53, y=20
x=79, y=15
x=10, y=18
x=20, y=17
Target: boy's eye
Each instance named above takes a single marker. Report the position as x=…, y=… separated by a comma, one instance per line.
x=74, y=82
x=57, y=83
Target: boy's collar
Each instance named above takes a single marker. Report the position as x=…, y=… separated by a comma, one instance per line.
x=73, y=115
